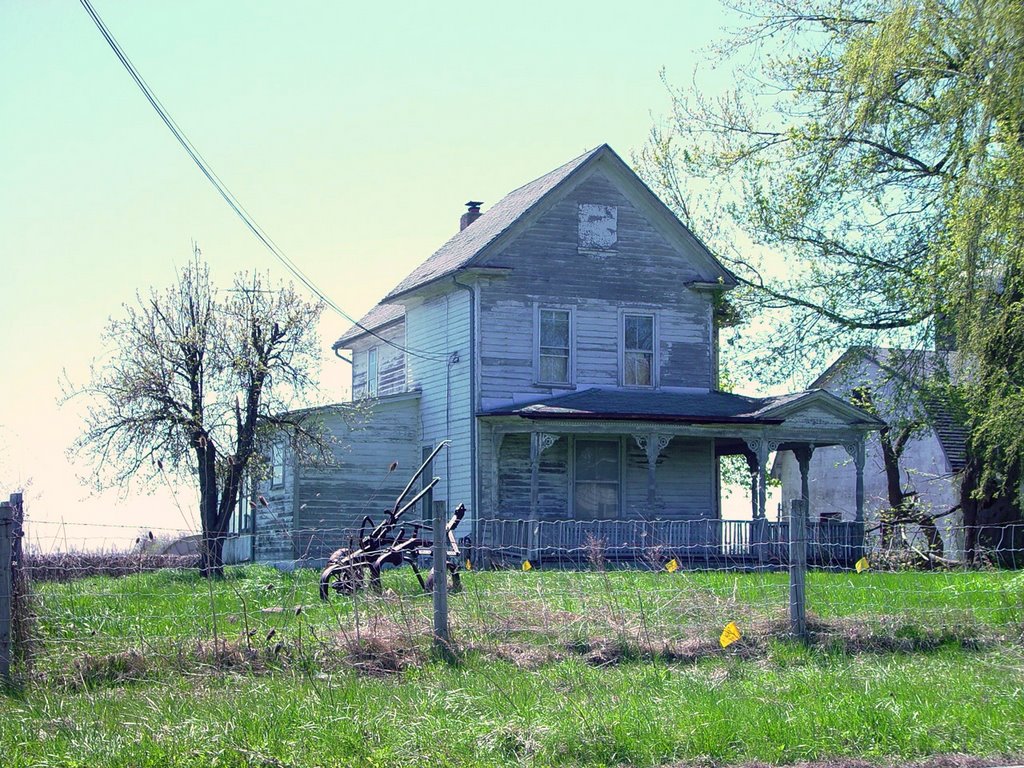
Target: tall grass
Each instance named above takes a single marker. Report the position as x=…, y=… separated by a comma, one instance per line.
x=552, y=668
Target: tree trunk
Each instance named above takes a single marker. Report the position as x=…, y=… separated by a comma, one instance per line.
x=211, y=556
x=894, y=491
x=211, y=560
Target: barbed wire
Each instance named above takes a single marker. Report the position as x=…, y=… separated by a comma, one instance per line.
x=598, y=599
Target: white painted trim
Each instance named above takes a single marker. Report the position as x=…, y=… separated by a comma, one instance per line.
x=277, y=460
x=571, y=309
x=655, y=338
x=373, y=353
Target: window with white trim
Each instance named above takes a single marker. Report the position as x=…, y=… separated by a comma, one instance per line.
x=371, y=372
x=277, y=465
x=554, y=352
x=638, y=350
x=597, y=478
x=241, y=518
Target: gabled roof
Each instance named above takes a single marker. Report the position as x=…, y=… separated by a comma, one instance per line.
x=471, y=244
x=913, y=367
x=464, y=246
x=378, y=317
x=678, y=407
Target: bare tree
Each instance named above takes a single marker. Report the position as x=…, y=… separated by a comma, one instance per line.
x=197, y=384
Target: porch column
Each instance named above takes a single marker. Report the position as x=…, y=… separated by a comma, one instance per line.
x=752, y=468
x=652, y=444
x=539, y=442
x=856, y=451
x=803, y=458
x=761, y=447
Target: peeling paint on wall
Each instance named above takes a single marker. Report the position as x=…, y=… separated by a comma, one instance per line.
x=598, y=227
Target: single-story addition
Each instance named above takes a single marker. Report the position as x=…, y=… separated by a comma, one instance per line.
x=565, y=342
x=930, y=463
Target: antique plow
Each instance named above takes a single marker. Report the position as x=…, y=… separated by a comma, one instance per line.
x=392, y=543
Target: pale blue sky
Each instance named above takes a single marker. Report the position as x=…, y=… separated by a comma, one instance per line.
x=353, y=133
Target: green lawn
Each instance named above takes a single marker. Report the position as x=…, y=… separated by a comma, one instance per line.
x=552, y=668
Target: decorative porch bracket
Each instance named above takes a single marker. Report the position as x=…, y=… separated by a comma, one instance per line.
x=856, y=451
x=803, y=455
x=653, y=444
x=539, y=442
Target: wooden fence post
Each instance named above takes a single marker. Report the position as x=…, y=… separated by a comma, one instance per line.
x=6, y=590
x=17, y=529
x=798, y=569
x=440, y=593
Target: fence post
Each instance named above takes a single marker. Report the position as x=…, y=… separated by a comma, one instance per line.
x=440, y=593
x=798, y=568
x=17, y=529
x=6, y=590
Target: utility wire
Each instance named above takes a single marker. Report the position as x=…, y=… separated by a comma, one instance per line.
x=226, y=194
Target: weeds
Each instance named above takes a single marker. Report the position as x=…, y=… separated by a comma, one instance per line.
x=552, y=668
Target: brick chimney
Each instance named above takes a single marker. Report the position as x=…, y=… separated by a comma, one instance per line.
x=471, y=215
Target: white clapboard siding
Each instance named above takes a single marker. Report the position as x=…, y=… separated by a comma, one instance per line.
x=643, y=272
x=333, y=500
x=684, y=481
x=438, y=327
x=391, y=367
x=274, y=510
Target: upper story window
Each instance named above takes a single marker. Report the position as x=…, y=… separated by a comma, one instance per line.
x=277, y=464
x=371, y=372
x=638, y=350
x=554, y=351
x=598, y=227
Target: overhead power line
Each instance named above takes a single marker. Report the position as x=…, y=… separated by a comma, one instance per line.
x=227, y=195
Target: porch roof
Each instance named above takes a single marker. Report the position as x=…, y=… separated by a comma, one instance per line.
x=661, y=406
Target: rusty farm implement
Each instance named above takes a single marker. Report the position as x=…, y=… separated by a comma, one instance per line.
x=392, y=542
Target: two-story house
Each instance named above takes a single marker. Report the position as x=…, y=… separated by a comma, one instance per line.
x=565, y=342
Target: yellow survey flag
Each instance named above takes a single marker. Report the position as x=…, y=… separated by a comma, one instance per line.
x=730, y=634
x=862, y=565
x=469, y=565
x=526, y=565
x=672, y=566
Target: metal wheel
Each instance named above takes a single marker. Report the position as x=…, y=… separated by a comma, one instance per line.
x=344, y=579
x=454, y=580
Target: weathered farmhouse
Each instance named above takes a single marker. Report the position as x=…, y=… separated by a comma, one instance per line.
x=928, y=465
x=566, y=342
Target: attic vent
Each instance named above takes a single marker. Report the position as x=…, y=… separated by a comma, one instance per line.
x=470, y=215
x=598, y=227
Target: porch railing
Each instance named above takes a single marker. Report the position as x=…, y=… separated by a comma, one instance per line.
x=693, y=543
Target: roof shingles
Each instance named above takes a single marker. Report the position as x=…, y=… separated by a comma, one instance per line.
x=703, y=407
x=460, y=250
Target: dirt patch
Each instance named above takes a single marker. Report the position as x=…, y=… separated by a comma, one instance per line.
x=89, y=671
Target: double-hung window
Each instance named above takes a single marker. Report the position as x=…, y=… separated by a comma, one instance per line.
x=638, y=350
x=596, y=480
x=371, y=372
x=277, y=464
x=554, y=353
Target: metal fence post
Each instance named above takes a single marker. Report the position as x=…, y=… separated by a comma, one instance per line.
x=798, y=569
x=6, y=590
x=440, y=576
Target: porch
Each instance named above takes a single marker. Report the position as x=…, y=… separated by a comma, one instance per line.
x=637, y=476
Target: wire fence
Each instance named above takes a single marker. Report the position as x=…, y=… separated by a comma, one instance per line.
x=526, y=592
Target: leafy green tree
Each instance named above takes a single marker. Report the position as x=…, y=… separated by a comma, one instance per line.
x=863, y=180
x=198, y=382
